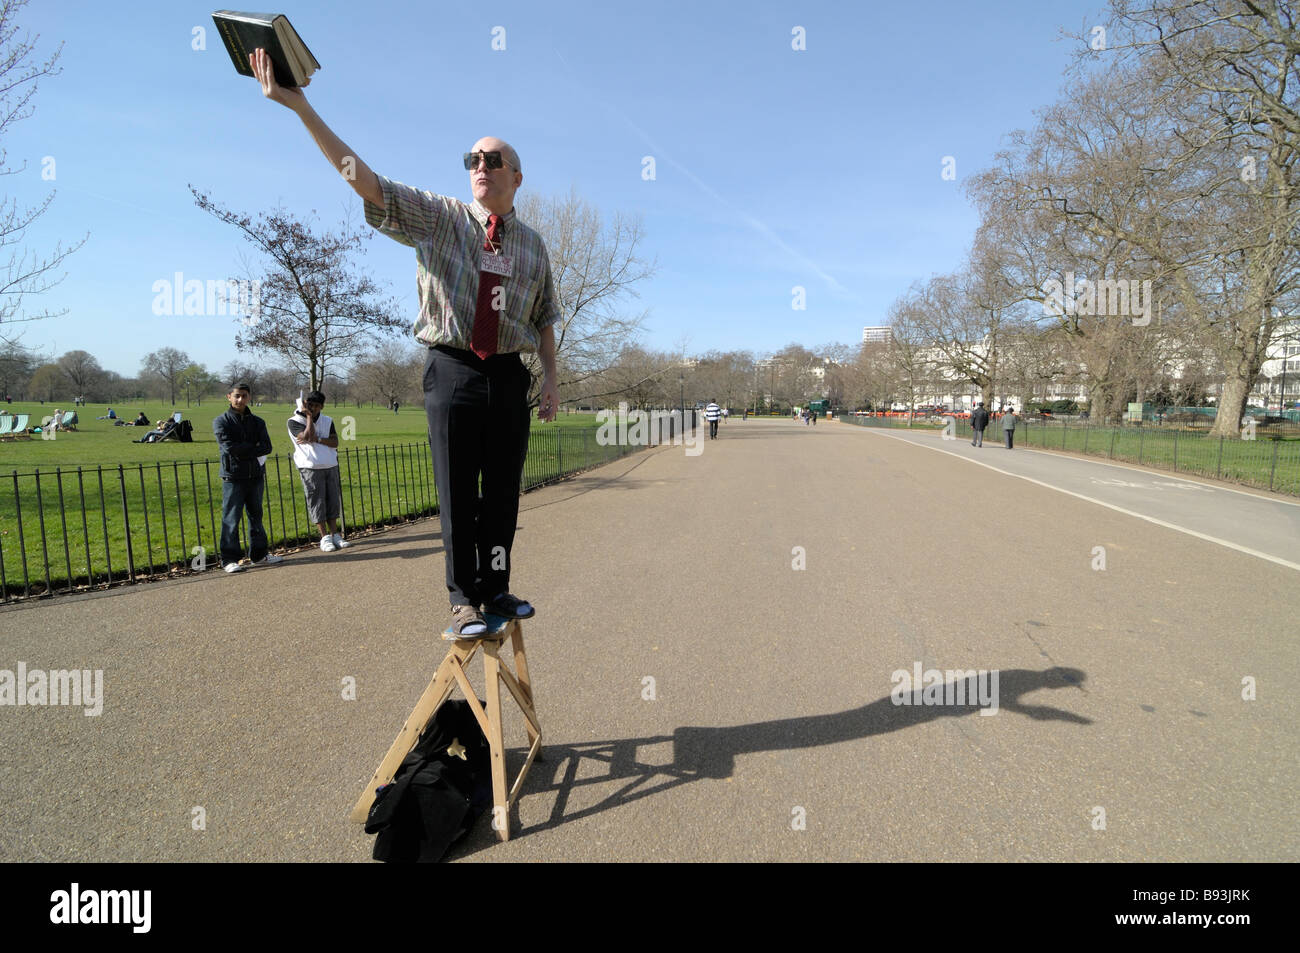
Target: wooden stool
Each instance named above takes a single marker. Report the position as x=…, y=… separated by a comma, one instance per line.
x=451, y=673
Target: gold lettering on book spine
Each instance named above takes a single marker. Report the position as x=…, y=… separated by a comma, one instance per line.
x=232, y=38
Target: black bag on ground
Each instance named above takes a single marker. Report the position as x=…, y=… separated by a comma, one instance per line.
x=438, y=792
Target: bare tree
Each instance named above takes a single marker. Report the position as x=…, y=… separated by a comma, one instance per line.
x=795, y=381
x=16, y=366
x=911, y=349
x=641, y=377
x=166, y=364
x=81, y=370
x=1220, y=78
x=314, y=309
x=282, y=383
x=389, y=373
x=880, y=379
x=596, y=266
x=242, y=372
x=25, y=272
x=960, y=319
x=839, y=359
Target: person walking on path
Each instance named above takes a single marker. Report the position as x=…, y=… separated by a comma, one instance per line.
x=712, y=414
x=1009, y=421
x=979, y=419
x=245, y=445
x=486, y=295
x=316, y=456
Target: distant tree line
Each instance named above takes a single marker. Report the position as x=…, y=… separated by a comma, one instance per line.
x=390, y=372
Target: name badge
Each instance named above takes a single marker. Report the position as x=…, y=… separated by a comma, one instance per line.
x=497, y=264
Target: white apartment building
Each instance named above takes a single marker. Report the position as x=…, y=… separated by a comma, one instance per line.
x=1280, y=369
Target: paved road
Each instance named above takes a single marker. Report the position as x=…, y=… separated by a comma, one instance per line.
x=1262, y=524
x=770, y=733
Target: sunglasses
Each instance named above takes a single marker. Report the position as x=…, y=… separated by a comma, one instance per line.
x=490, y=160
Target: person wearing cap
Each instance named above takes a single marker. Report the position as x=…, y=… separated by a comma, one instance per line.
x=486, y=295
x=979, y=419
x=316, y=455
x=1009, y=421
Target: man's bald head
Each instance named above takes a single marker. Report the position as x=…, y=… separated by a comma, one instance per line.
x=495, y=188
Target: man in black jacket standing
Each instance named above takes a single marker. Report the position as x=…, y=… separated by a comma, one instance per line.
x=979, y=419
x=245, y=445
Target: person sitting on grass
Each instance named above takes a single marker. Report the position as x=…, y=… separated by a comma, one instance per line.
x=153, y=436
x=140, y=421
x=111, y=415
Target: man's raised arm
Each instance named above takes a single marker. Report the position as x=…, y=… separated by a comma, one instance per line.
x=346, y=162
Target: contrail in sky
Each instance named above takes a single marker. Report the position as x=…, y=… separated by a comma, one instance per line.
x=756, y=224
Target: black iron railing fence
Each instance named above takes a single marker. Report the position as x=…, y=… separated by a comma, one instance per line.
x=1269, y=461
x=68, y=530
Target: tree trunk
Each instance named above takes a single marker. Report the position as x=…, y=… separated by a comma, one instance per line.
x=1232, y=407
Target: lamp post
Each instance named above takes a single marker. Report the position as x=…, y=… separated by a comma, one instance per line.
x=681, y=385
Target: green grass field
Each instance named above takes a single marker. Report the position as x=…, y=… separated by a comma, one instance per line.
x=99, y=443
x=92, y=505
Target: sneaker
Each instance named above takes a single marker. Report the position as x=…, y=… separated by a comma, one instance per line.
x=233, y=567
x=270, y=559
x=467, y=622
x=327, y=544
x=509, y=607
x=340, y=542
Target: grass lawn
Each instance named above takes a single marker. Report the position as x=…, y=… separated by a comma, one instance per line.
x=92, y=505
x=99, y=443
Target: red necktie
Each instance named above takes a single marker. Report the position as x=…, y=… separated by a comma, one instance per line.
x=483, y=340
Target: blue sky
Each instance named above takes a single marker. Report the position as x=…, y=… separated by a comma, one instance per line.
x=819, y=168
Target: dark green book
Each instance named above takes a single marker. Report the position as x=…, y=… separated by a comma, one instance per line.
x=245, y=32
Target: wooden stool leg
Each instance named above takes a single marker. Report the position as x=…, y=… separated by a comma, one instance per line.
x=439, y=688
x=492, y=684
x=521, y=676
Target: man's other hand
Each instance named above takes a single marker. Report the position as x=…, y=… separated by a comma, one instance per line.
x=548, y=402
x=264, y=70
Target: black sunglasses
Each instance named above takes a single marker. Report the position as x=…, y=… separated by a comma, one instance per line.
x=492, y=160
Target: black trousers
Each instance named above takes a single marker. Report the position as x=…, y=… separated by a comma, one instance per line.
x=478, y=427
x=1011, y=437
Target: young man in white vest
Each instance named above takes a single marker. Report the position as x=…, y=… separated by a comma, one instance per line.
x=316, y=455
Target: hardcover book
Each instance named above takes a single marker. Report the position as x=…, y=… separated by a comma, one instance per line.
x=245, y=32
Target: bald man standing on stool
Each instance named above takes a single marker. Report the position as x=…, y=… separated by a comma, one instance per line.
x=486, y=294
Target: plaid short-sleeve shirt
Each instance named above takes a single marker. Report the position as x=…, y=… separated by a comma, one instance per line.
x=448, y=235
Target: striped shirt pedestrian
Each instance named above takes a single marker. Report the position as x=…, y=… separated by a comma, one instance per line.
x=712, y=414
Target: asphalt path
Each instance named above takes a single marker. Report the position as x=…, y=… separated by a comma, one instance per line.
x=716, y=645
x=1261, y=524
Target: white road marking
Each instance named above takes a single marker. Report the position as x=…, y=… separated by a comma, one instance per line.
x=1124, y=466
x=1110, y=506
x=1258, y=494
